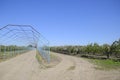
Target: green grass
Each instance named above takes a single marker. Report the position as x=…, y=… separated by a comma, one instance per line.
x=105, y=64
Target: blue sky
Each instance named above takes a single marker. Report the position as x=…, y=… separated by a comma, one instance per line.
x=66, y=22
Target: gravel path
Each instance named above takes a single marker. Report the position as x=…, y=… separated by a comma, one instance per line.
x=26, y=67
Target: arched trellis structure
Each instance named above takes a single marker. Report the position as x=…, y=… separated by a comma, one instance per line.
x=24, y=37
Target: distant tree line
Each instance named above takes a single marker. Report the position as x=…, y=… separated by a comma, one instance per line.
x=92, y=49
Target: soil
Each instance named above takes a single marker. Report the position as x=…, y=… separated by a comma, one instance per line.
x=26, y=67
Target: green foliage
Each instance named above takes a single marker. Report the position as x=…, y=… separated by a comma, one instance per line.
x=106, y=50
x=115, y=48
x=96, y=48
x=88, y=48
x=91, y=49
x=11, y=48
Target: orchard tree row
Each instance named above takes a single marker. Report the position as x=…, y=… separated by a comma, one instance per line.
x=11, y=48
x=107, y=50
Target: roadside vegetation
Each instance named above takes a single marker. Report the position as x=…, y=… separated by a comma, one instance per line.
x=54, y=60
x=106, y=55
x=105, y=64
x=7, y=52
x=39, y=58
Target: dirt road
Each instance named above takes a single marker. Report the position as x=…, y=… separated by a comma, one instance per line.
x=26, y=67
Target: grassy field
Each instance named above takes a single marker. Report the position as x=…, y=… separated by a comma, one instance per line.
x=105, y=64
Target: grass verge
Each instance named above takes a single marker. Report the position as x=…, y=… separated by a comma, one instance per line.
x=105, y=64
x=39, y=58
x=54, y=60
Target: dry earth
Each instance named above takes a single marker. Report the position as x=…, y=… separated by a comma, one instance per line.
x=26, y=67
